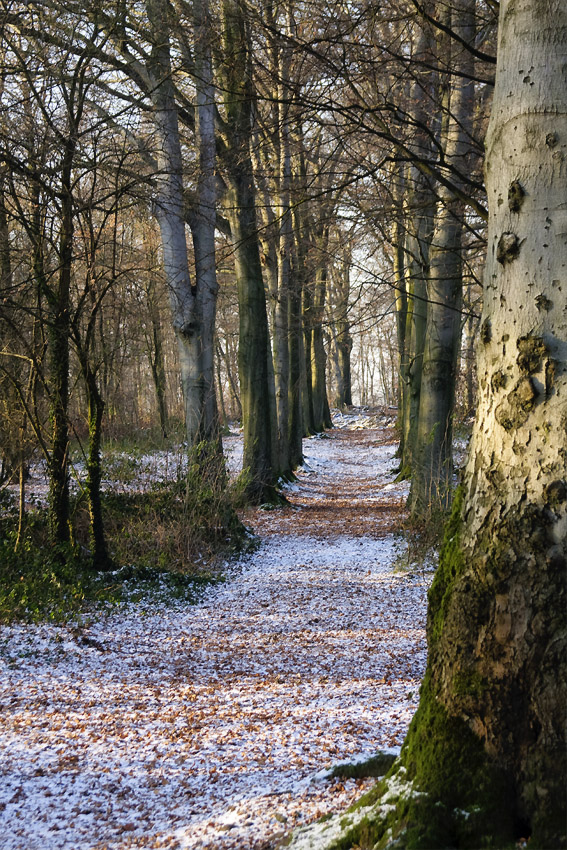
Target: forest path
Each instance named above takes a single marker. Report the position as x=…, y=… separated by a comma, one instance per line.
x=206, y=727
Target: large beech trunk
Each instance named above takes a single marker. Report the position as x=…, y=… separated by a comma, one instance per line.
x=484, y=761
x=488, y=741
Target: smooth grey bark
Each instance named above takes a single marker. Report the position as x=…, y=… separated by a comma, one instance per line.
x=432, y=463
x=340, y=329
x=169, y=209
x=203, y=221
x=420, y=212
x=192, y=306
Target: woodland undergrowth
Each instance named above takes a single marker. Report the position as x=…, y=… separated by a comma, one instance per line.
x=166, y=537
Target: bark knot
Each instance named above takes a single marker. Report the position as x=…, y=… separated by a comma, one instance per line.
x=531, y=350
x=486, y=331
x=551, y=140
x=556, y=493
x=516, y=196
x=508, y=248
x=543, y=302
x=514, y=410
x=498, y=381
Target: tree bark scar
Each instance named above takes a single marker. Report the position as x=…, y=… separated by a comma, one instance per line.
x=543, y=303
x=508, y=248
x=516, y=196
x=515, y=409
x=531, y=350
x=551, y=140
x=556, y=493
x=486, y=331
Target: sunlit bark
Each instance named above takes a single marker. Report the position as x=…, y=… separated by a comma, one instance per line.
x=170, y=213
x=488, y=741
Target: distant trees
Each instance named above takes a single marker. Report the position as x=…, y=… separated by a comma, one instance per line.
x=396, y=101
x=302, y=148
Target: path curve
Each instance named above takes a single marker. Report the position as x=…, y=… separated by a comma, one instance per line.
x=211, y=727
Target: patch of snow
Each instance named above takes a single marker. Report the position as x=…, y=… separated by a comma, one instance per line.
x=203, y=727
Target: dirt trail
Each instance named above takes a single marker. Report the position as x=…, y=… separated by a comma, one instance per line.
x=211, y=727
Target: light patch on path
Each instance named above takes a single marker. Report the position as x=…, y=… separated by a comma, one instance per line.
x=206, y=727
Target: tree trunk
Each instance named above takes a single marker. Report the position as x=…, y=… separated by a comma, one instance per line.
x=100, y=557
x=342, y=337
x=486, y=749
x=170, y=213
x=281, y=331
x=399, y=266
x=220, y=388
x=318, y=366
x=157, y=366
x=240, y=201
x=412, y=361
x=432, y=470
x=203, y=223
x=281, y=305
x=296, y=360
x=420, y=198
x=60, y=331
x=307, y=312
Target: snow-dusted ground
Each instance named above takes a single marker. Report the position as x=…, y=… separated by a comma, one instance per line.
x=210, y=726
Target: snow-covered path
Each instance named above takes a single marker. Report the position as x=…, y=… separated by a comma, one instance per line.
x=207, y=726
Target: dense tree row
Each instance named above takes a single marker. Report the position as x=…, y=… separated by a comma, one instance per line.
x=484, y=761
x=289, y=176
x=285, y=140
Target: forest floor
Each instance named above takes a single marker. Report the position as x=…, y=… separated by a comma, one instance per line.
x=159, y=725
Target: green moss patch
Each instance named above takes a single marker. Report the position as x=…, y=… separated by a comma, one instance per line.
x=377, y=765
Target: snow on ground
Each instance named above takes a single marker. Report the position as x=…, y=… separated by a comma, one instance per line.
x=210, y=726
